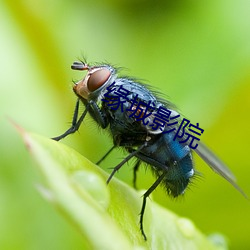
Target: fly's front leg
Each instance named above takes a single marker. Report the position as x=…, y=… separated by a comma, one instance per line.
x=75, y=123
x=97, y=114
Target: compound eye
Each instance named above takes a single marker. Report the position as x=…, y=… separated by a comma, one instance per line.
x=97, y=79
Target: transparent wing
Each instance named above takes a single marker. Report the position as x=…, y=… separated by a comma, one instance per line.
x=217, y=165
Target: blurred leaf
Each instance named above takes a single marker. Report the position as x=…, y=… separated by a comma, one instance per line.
x=106, y=216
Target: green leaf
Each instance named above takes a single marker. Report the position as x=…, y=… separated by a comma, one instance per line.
x=107, y=215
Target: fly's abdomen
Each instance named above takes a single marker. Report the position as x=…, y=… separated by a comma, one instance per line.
x=178, y=176
x=172, y=158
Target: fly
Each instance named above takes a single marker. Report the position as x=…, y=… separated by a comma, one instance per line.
x=148, y=127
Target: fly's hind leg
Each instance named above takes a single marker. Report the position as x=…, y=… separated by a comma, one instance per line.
x=135, y=169
x=145, y=196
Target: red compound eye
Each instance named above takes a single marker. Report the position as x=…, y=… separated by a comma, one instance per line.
x=97, y=79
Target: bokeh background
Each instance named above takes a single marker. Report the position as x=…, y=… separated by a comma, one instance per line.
x=196, y=52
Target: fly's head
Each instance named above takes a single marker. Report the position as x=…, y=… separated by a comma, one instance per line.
x=96, y=79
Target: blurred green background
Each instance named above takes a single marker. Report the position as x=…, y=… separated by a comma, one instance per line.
x=196, y=52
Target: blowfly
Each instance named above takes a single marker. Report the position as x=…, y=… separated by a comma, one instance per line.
x=147, y=126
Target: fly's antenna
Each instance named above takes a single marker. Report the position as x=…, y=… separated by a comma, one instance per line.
x=80, y=66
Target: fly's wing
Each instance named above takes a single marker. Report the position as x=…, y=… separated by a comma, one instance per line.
x=206, y=154
x=217, y=165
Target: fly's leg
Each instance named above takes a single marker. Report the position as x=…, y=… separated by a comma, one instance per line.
x=135, y=169
x=105, y=155
x=94, y=110
x=125, y=160
x=97, y=114
x=145, y=196
x=75, y=124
